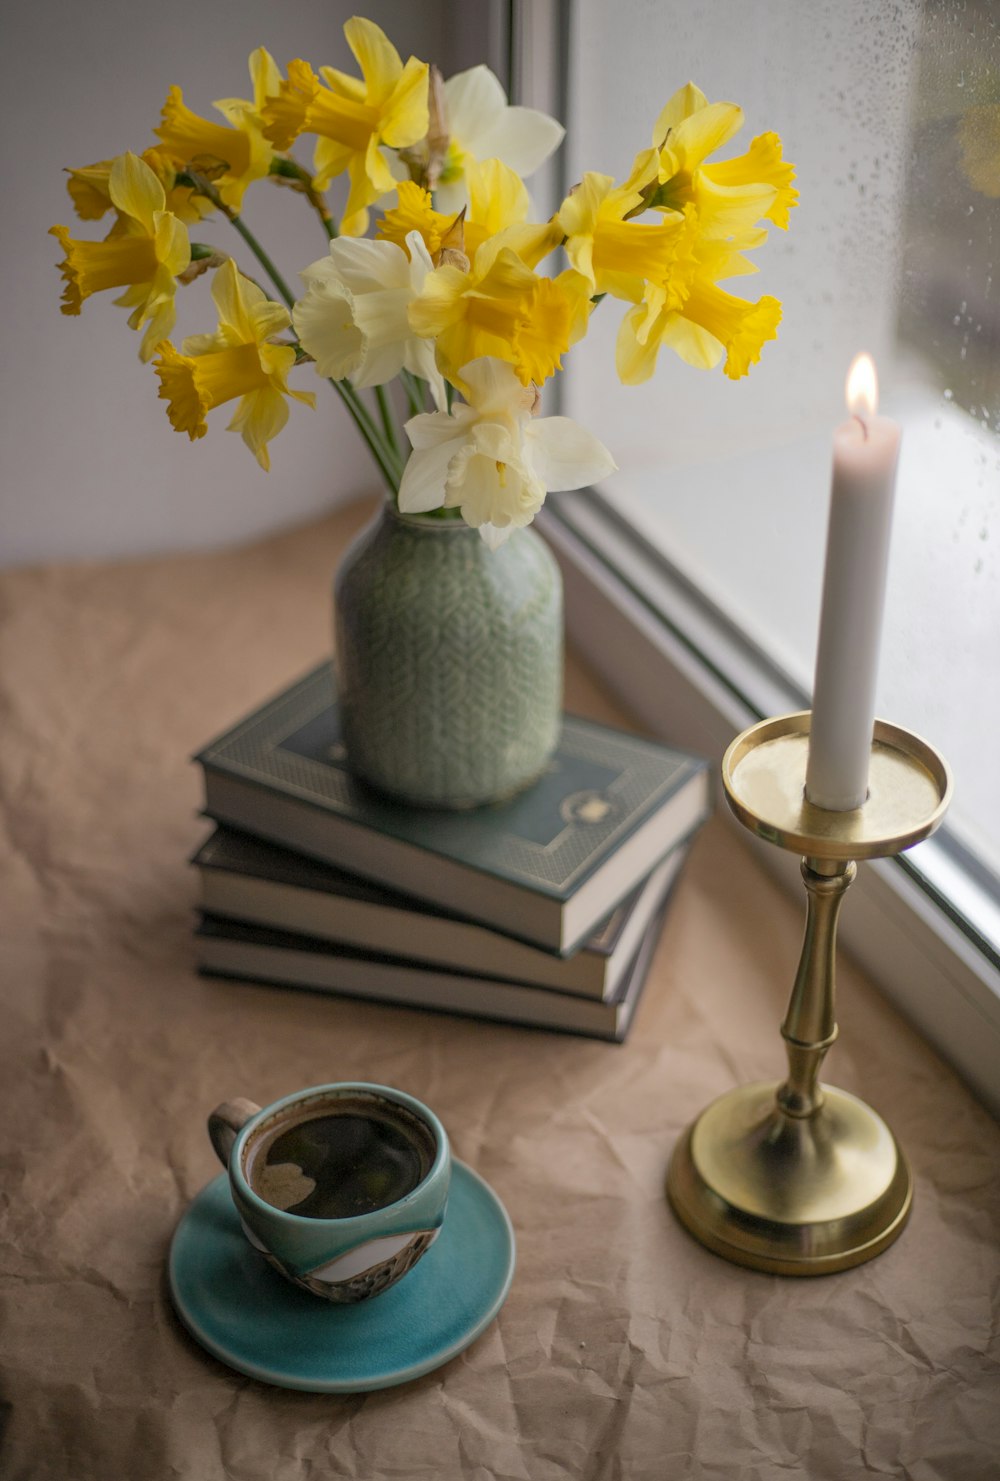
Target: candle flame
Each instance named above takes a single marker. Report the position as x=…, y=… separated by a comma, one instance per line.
x=862, y=388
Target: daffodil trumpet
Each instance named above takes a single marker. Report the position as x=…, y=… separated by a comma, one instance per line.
x=441, y=328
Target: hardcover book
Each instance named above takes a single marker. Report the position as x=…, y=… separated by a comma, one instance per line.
x=280, y=958
x=547, y=866
x=247, y=879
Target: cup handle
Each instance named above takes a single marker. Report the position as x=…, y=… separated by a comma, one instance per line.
x=225, y=1123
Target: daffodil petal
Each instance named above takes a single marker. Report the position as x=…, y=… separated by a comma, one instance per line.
x=685, y=101
x=494, y=388
x=474, y=99
x=324, y=322
x=378, y=59
x=692, y=342
x=425, y=476
x=367, y=266
x=493, y=535
x=173, y=245
x=203, y=344
x=699, y=136
x=522, y=138
x=637, y=349
x=267, y=319
x=433, y=428
x=565, y=455
x=419, y=360
x=259, y=417
x=265, y=76
x=135, y=190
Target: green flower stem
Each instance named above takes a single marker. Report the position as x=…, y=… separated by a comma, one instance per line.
x=386, y=457
x=388, y=465
x=414, y=388
x=206, y=188
x=263, y=259
x=286, y=168
x=388, y=420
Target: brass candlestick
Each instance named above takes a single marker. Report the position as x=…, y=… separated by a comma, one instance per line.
x=795, y=1177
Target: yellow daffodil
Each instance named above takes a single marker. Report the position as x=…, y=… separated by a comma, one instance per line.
x=238, y=360
x=232, y=154
x=501, y=308
x=721, y=207
x=90, y=189
x=353, y=117
x=498, y=201
x=144, y=254
x=731, y=195
x=492, y=458
x=761, y=166
x=482, y=126
x=695, y=317
x=616, y=255
x=414, y=211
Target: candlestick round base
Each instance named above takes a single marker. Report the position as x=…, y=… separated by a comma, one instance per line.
x=764, y=773
x=791, y=1195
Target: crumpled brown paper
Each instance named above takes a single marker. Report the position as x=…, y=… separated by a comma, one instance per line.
x=624, y=1349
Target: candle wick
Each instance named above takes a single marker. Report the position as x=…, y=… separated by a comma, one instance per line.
x=863, y=424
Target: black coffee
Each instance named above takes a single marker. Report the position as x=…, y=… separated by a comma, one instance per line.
x=334, y=1164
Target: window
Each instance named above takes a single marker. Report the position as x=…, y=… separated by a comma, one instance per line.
x=716, y=523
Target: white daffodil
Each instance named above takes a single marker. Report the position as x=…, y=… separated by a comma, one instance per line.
x=481, y=125
x=353, y=317
x=492, y=459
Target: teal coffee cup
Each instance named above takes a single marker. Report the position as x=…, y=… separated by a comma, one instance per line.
x=341, y=1187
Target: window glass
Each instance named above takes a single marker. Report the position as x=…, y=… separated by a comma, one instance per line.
x=891, y=114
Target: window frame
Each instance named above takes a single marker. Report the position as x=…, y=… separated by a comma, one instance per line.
x=683, y=669
x=688, y=676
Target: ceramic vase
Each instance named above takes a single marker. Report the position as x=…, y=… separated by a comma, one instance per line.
x=449, y=660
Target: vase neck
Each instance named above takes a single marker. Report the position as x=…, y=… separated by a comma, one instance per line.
x=431, y=524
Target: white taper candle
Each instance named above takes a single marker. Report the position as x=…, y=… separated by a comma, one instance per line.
x=865, y=454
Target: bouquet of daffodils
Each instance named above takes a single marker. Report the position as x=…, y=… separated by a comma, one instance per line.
x=445, y=305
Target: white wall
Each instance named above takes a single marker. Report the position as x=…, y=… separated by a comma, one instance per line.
x=89, y=465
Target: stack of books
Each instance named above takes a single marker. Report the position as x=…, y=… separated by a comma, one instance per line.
x=542, y=910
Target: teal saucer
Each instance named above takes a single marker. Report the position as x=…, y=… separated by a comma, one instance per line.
x=245, y=1314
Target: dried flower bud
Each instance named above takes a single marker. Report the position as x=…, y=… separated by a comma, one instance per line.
x=199, y=265
x=451, y=257
x=438, y=136
x=452, y=252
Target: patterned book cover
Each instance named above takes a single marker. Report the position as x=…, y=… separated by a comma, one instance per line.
x=602, y=788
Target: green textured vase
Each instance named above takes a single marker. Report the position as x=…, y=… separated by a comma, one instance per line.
x=449, y=659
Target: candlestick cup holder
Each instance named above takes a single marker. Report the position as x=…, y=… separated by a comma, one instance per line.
x=795, y=1177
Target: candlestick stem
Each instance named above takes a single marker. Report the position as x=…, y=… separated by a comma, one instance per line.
x=791, y=1176
x=810, y=1025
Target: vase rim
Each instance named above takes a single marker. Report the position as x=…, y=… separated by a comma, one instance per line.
x=427, y=523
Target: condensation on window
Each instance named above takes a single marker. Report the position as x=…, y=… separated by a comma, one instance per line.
x=891, y=113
